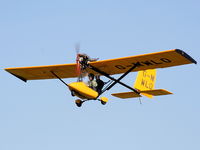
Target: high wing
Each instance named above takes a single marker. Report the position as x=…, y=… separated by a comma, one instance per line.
x=44, y=72
x=162, y=59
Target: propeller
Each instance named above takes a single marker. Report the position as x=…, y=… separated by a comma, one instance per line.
x=77, y=48
x=78, y=67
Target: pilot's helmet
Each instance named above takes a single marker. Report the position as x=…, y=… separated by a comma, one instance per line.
x=91, y=75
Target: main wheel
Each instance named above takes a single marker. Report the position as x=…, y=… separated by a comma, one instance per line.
x=79, y=102
x=103, y=103
x=104, y=100
x=72, y=93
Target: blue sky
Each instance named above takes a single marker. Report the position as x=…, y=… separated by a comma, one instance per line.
x=42, y=114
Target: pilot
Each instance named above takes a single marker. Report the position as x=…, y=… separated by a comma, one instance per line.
x=100, y=84
x=92, y=83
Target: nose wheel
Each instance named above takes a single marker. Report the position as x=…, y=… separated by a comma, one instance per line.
x=79, y=102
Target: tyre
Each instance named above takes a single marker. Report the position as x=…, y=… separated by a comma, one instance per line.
x=79, y=102
x=72, y=93
x=103, y=103
x=104, y=100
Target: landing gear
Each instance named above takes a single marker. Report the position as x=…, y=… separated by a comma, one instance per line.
x=72, y=93
x=103, y=103
x=79, y=102
x=103, y=100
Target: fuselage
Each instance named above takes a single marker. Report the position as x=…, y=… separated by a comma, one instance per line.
x=81, y=90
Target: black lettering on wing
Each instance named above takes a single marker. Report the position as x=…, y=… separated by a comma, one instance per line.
x=138, y=64
x=156, y=62
x=166, y=60
x=120, y=67
x=147, y=63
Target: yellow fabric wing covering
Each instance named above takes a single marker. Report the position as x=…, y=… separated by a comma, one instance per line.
x=111, y=66
x=162, y=59
x=44, y=72
x=156, y=92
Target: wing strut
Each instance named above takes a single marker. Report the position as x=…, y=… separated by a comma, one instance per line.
x=59, y=78
x=125, y=74
x=116, y=80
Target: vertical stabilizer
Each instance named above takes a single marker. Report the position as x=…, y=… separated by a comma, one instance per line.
x=145, y=81
x=145, y=84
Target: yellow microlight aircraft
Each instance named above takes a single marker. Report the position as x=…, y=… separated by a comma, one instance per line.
x=144, y=85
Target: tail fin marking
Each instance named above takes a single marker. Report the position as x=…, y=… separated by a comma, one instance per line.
x=145, y=81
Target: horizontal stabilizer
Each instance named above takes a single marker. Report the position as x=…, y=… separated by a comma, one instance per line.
x=125, y=95
x=156, y=92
